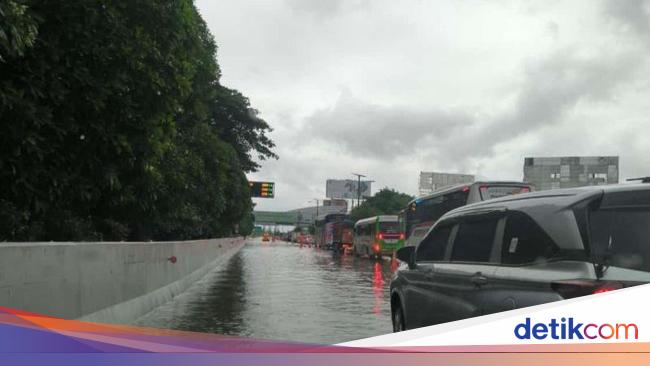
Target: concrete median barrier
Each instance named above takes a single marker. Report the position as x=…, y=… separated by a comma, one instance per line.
x=114, y=282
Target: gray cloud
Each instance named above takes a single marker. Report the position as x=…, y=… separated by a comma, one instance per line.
x=550, y=89
x=381, y=132
x=316, y=7
x=324, y=8
x=553, y=28
x=633, y=13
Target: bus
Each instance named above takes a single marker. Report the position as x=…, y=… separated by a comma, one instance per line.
x=421, y=213
x=334, y=231
x=377, y=236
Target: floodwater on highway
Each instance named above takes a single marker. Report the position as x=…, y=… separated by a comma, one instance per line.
x=282, y=292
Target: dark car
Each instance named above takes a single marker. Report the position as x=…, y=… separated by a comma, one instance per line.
x=524, y=250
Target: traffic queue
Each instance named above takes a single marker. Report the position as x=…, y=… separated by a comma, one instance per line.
x=380, y=236
x=513, y=250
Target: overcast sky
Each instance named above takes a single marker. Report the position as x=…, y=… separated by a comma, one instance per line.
x=391, y=88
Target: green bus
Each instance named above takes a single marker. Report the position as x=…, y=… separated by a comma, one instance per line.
x=377, y=236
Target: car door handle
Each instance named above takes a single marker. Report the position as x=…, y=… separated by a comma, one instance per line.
x=479, y=280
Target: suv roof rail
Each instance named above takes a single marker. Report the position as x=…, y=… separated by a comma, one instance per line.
x=642, y=179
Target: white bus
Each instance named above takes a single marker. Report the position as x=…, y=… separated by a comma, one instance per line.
x=423, y=212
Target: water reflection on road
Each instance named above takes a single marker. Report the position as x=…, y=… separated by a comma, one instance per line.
x=283, y=292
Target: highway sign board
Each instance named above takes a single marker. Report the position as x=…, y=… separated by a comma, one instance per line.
x=346, y=188
x=262, y=189
x=275, y=218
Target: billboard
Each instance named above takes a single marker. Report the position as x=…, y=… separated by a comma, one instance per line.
x=336, y=202
x=346, y=188
x=262, y=189
x=430, y=181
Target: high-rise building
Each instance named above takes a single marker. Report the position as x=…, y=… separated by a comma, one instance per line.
x=431, y=181
x=570, y=171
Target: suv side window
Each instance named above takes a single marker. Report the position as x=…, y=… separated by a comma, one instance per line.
x=525, y=242
x=474, y=239
x=433, y=246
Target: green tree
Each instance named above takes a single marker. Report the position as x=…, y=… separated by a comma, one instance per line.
x=247, y=224
x=241, y=125
x=18, y=29
x=385, y=202
x=116, y=126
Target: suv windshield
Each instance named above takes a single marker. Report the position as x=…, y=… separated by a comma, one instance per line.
x=623, y=236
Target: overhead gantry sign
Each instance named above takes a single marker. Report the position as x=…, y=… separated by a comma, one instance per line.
x=262, y=189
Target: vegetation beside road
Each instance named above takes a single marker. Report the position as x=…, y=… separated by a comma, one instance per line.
x=385, y=202
x=116, y=125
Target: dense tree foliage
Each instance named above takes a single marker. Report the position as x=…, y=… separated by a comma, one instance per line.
x=385, y=202
x=17, y=30
x=115, y=125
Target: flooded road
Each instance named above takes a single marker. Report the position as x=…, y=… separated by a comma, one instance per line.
x=282, y=292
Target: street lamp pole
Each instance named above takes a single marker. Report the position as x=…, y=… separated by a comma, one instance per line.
x=358, y=187
x=317, y=202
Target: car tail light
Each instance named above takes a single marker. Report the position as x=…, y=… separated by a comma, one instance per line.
x=380, y=236
x=401, y=236
x=524, y=190
x=600, y=290
x=376, y=247
x=571, y=289
x=466, y=189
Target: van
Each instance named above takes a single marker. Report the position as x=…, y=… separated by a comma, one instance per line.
x=524, y=250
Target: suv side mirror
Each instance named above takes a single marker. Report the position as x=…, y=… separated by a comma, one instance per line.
x=407, y=255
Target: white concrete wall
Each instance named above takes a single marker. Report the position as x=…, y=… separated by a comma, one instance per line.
x=104, y=281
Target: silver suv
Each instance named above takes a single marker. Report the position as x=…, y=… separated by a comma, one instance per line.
x=524, y=250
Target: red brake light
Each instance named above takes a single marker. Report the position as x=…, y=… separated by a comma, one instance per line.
x=524, y=190
x=401, y=236
x=466, y=189
x=572, y=289
x=600, y=290
x=376, y=247
x=380, y=236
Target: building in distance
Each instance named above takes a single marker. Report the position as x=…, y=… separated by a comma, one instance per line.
x=570, y=171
